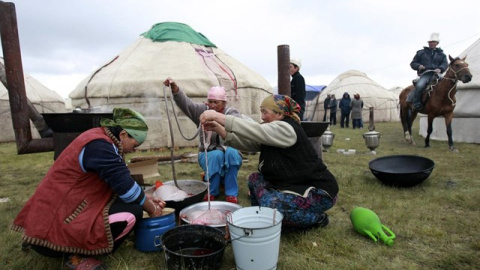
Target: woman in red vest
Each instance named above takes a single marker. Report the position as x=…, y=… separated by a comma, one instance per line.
x=88, y=203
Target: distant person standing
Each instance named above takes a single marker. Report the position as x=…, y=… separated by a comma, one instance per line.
x=427, y=62
x=357, y=105
x=326, y=103
x=345, y=109
x=333, y=110
x=297, y=85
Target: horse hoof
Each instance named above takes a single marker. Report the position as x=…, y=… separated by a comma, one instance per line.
x=427, y=146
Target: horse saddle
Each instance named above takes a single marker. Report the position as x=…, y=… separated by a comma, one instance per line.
x=429, y=87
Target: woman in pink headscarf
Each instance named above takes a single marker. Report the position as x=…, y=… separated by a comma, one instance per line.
x=291, y=177
x=223, y=162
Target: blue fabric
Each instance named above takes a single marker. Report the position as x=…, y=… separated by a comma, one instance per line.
x=102, y=157
x=222, y=168
x=420, y=86
x=297, y=211
x=357, y=123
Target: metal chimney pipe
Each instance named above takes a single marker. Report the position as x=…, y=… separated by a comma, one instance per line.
x=16, y=84
x=283, y=58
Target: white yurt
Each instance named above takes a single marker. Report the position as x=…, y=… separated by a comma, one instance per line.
x=135, y=79
x=373, y=95
x=42, y=98
x=466, y=115
x=396, y=90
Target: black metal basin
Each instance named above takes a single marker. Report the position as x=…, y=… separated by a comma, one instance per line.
x=402, y=170
x=314, y=129
x=74, y=122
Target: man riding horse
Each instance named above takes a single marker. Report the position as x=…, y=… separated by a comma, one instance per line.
x=428, y=62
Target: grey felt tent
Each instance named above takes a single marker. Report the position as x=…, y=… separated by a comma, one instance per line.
x=42, y=98
x=466, y=115
x=135, y=78
x=372, y=94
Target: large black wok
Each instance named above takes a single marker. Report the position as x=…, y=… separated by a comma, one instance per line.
x=314, y=129
x=402, y=170
x=196, y=188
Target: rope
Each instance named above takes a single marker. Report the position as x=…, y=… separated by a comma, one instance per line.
x=206, y=165
x=175, y=116
x=171, y=137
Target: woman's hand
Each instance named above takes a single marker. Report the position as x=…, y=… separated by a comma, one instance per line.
x=214, y=121
x=212, y=115
x=170, y=82
x=153, y=205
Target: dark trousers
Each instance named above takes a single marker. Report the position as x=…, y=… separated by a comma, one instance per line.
x=420, y=86
x=357, y=123
x=333, y=118
x=344, y=119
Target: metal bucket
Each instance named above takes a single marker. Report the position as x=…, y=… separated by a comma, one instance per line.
x=194, y=247
x=149, y=230
x=255, y=234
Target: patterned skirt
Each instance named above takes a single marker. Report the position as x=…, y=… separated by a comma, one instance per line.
x=298, y=211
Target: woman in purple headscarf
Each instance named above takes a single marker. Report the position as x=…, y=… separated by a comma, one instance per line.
x=291, y=177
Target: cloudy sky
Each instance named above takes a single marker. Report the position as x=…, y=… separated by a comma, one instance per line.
x=63, y=41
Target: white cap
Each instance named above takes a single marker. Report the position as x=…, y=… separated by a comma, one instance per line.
x=434, y=37
x=297, y=62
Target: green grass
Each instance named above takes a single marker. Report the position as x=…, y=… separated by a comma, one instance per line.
x=436, y=223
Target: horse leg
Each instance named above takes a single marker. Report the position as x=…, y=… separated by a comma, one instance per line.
x=448, y=124
x=429, y=130
x=410, y=118
x=406, y=130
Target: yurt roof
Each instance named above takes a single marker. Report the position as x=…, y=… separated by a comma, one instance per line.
x=140, y=69
x=174, y=31
x=134, y=78
x=396, y=90
x=44, y=99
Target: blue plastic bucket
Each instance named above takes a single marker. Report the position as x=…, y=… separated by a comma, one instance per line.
x=150, y=230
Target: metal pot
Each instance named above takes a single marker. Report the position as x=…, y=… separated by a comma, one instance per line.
x=196, y=188
x=327, y=139
x=372, y=139
x=226, y=207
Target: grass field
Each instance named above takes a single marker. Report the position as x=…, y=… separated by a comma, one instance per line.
x=436, y=223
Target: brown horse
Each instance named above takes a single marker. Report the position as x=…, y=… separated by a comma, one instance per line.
x=440, y=101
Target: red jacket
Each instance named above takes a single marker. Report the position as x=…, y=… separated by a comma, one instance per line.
x=69, y=210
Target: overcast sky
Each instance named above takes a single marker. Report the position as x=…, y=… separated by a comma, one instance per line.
x=63, y=41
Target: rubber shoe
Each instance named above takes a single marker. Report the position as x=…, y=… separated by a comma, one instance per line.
x=323, y=222
x=205, y=199
x=232, y=199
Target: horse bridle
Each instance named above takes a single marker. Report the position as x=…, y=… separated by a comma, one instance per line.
x=454, y=72
x=455, y=80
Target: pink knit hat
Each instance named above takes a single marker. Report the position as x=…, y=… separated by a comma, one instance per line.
x=217, y=93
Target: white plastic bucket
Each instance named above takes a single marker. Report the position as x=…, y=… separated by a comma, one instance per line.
x=255, y=235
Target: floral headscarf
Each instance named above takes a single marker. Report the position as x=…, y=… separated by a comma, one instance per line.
x=282, y=104
x=131, y=121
